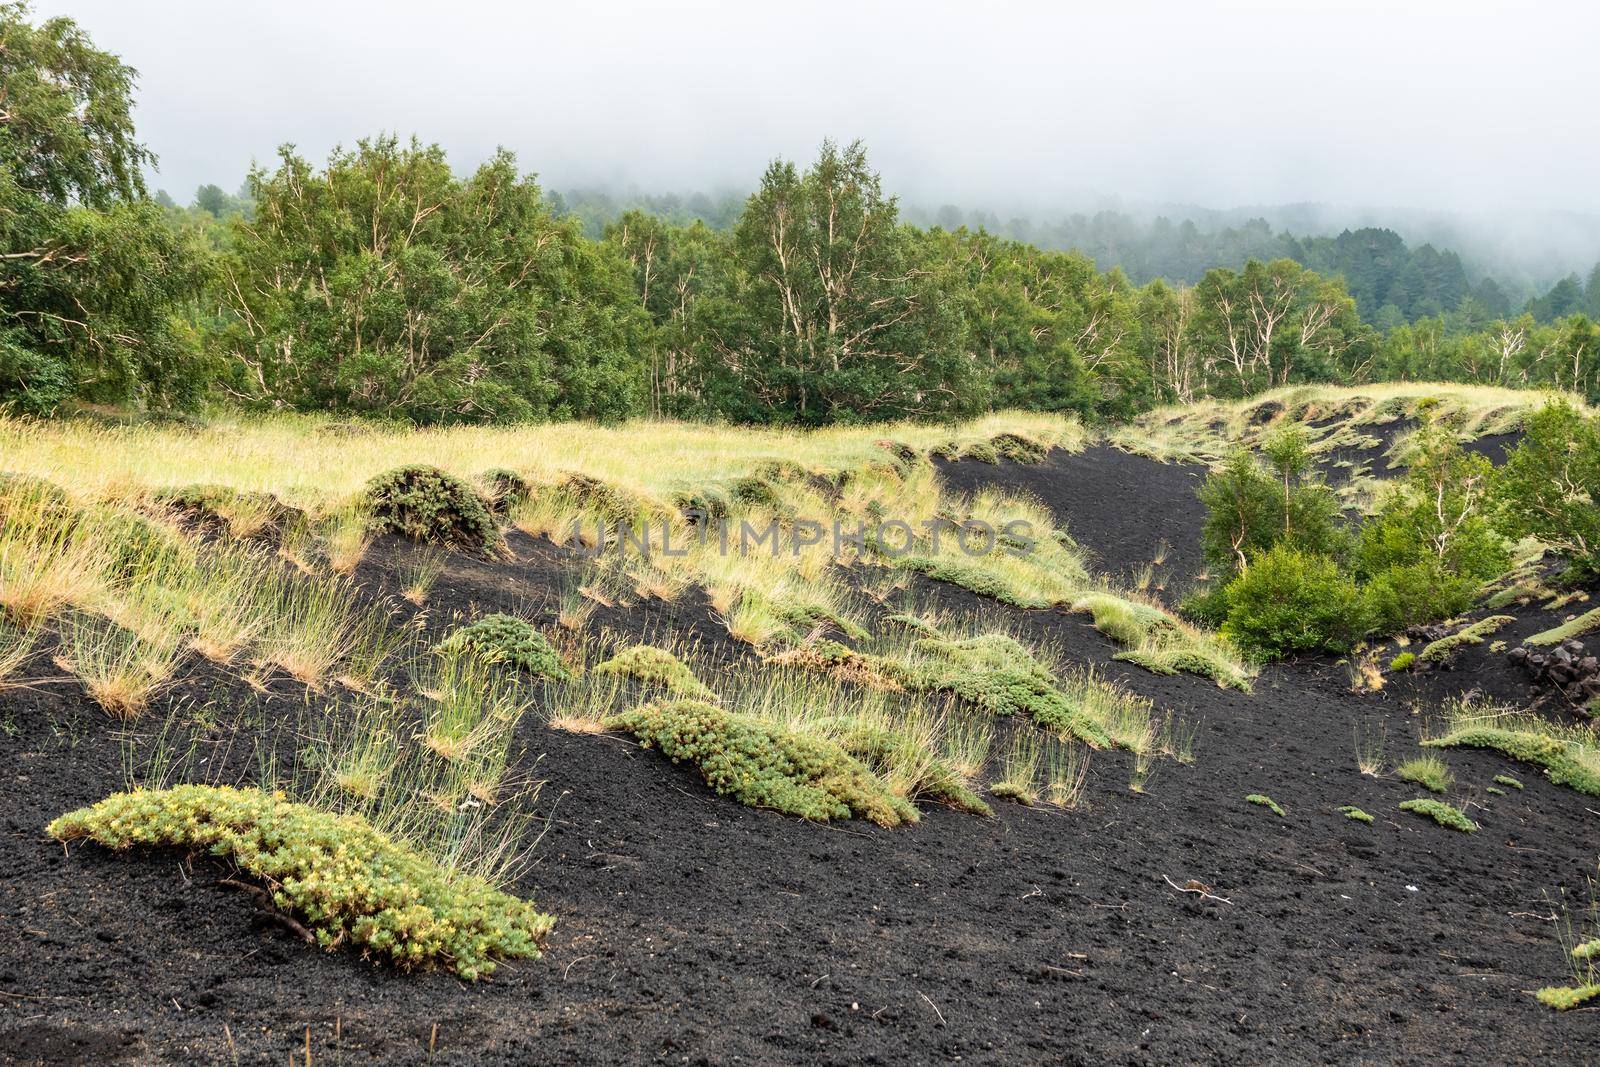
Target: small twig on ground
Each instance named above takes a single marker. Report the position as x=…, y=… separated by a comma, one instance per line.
x=270, y=910
x=934, y=1006
x=1197, y=888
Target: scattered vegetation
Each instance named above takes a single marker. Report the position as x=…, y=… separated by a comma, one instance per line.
x=1577, y=626
x=1568, y=755
x=1019, y=772
x=1350, y=811
x=345, y=880
x=1475, y=634
x=1507, y=781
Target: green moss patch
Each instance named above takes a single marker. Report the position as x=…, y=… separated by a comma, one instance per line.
x=508, y=641
x=998, y=674
x=1444, y=814
x=1585, y=623
x=1508, y=781
x=1561, y=998
x=348, y=883
x=1350, y=811
x=764, y=765
x=1262, y=800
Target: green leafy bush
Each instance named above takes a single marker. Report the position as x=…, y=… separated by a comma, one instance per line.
x=1549, y=486
x=344, y=880
x=508, y=641
x=1444, y=814
x=1411, y=594
x=428, y=504
x=1249, y=508
x=1403, y=661
x=1350, y=811
x=656, y=666
x=764, y=765
x=1291, y=601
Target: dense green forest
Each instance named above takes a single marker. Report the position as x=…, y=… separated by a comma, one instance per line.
x=380, y=281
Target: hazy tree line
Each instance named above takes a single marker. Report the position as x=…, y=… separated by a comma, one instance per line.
x=380, y=281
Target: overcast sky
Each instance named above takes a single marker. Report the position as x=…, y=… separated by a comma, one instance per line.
x=1468, y=104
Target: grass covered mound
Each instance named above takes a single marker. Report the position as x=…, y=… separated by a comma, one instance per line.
x=508, y=641
x=1444, y=814
x=764, y=765
x=243, y=512
x=1588, y=622
x=888, y=752
x=427, y=504
x=656, y=666
x=1566, y=763
x=1446, y=647
x=345, y=881
x=995, y=672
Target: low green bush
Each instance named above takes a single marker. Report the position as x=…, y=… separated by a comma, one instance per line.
x=1575, y=627
x=344, y=880
x=656, y=666
x=1403, y=661
x=1444, y=814
x=879, y=747
x=508, y=641
x=1290, y=601
x=1017, y=448
x=1350, y=811
x=764, y=765
x=429, y=504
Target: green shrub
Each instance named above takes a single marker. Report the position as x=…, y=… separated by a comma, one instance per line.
x=1350, y=811
x=1403, y=661
x=506, y=489
x=656, y=666
x=508, y=641
x=1549, y=485
x=1431, y=546
x=1017, y=448
x=763, y=765
x=1412, y=594
x=344, y=880
x=1430, y=772
x=1441, y=813
x=1250, y=509
x=428, y=504
x=1290, y=601
x=982, y=451
x=1266, y=802
x=1507, y=780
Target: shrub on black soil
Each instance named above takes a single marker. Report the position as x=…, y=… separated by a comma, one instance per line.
x=506, y=489
x=510, y=641
x=428, y=504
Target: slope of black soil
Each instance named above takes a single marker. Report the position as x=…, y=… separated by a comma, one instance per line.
x=1120, y=507
x=693, y=930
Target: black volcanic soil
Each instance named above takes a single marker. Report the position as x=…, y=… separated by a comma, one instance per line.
x=1124, y=509
x=693, y=930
